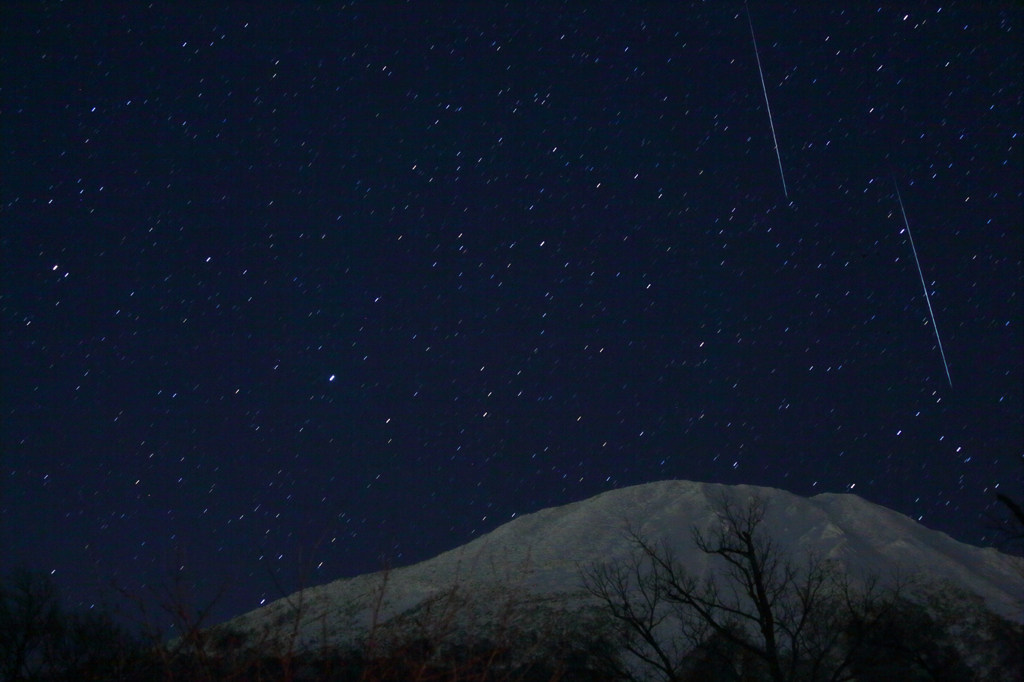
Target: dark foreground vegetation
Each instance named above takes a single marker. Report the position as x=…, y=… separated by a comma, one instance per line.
x=767, y=618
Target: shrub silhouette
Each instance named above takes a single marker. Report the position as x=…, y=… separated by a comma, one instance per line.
x=41, y=643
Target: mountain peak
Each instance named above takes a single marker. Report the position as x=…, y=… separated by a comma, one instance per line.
x=540, y=555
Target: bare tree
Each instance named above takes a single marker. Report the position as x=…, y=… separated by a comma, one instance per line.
x=29, y=618
x=760, y=613
x=39, y=641
x=634, y=594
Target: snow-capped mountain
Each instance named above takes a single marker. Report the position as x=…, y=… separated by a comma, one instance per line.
x=536, y=559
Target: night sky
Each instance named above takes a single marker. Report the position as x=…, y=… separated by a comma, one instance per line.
x=301, y=291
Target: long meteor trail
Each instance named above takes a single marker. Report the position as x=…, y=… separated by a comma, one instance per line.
x=921, y=274
x=766, y=104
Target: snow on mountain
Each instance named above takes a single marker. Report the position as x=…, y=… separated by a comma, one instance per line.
x=537, y=557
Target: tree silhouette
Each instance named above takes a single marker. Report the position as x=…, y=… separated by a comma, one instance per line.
x=38, y=641
x=761, y=614
x=29, y=618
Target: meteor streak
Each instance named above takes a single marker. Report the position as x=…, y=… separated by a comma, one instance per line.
x=766, y=104
x=921, y=274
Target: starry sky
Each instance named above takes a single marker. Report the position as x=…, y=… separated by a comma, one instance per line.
x=290, y=293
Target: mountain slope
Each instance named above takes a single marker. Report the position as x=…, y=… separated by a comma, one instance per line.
x=537, y=557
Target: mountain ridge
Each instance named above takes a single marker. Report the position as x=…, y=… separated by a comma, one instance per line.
x=538, y=556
